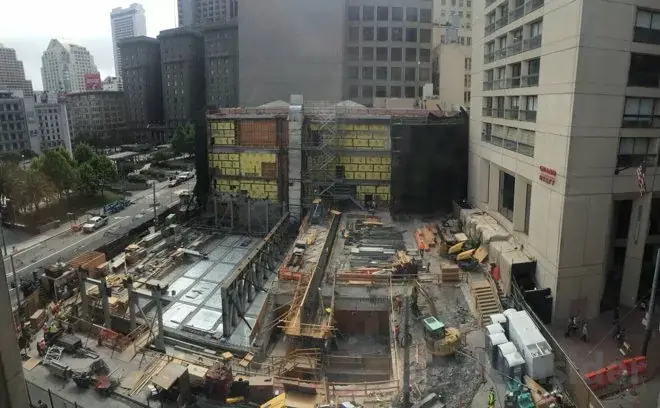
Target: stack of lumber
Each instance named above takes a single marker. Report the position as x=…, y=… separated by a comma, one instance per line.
x=426, y=237
x=450, y=273
x=152, y=369
x=38, y=319
x=88, y=261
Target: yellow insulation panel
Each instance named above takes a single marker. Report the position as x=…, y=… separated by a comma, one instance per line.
x=256, y=188
x=223, y=133
x=251, y=163
x=365, y=167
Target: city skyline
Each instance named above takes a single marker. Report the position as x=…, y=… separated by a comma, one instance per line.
x=30, y=42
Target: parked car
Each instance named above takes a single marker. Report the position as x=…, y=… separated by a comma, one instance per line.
x=95, y=223
x=174, y=182
x=186, y=175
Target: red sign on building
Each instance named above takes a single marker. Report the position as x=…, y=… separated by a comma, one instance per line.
x=93, y=81
x=548, y=175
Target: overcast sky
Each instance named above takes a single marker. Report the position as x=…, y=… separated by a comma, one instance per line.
x=28, y=26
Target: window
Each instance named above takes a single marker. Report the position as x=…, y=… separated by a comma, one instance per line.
x=425, y=15
x=395, y=73
x=397, y=34
x=367, y=33
x=411, y=35
x=381, y=73
x=507, y=192
x=381, y=91
x=424, y=55
x=644, y=70
x=641, y=113
x=396, y=54
x=353, y=53
x=367, y=73
x=424, y=35
x=368, y=13
x=411, y=54
x=383, y=14
x=647, y=27
x=536, y=29
x=453, y=3
x=411, y=14
x=634, y=150
x=395, y=91
x=353, y=91
x=410, y=74
x=367, y=53
x=460, y=3
x=382, y=33
x=468, y=64
x=410, y=92
x=367, y=91
x=424, y=74
x=353, y=13
x=353, y=73
x=381, y=54
x=532, y=103
x=397, y=13
x=354, y=34
x=468, y=3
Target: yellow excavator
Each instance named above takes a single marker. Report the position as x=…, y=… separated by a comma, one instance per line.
x=442, y=341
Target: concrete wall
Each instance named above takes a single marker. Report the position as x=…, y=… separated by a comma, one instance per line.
x=290, y=47
x=454, y=62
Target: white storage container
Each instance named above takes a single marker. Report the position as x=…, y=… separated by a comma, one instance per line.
x=502, y=351
x=536, y=351
x=497, y=318
x=494, y=340
x=514, y=366
x=490, y=330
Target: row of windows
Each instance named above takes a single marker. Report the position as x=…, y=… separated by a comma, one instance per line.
x=501, y=17
x=395, y=73
x=383, y=13
x=644, y=70
x=394, y=54
x=454, y=3
x=381, y=91
x=523, y=108
x=423, y=35
x=511, y=138
x=641, y=113
x=647, y=27
x=634, y=150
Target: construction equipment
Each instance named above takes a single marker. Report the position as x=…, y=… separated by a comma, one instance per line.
x=517, y=395
x=442, y=341
x=83, y=379
x=106, y=385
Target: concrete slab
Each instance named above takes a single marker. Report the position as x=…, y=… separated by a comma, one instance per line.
x=219, y=253
x=199, y=269
x=235, y=256
x=177, y=314
x=218, y=273
x=215, y=300
x=180, y=285
x=204, y=320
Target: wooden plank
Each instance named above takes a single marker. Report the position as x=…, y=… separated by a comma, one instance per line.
x=246, y=360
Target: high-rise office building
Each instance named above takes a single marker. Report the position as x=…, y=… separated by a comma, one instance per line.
x=64, y=66
x=202, y=12
x=388, y=50
x=18, y=125
x=12, y=74
x=53, y=123
x=182, y=70
x=453, y=22
x=96, y=115
x=126, y=23
x=565, y=108
x=221, y=64
x=143, y=87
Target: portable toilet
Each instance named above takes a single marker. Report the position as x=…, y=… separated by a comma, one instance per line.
x=503, y=350
x=507, y=314
x=494, y=340
x=514, y=366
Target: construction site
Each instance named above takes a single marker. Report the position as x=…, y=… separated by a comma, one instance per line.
x=305, y=283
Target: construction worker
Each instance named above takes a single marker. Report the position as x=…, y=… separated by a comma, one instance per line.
x=585, y=334
x=491, y=398
x=41, y=347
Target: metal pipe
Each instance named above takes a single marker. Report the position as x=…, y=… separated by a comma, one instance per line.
x=106, y=303
x=649, y=321
x=406, y=353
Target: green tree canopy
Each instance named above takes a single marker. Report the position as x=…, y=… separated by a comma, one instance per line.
x=83, y=153
x=183, y=141
x=59, y=167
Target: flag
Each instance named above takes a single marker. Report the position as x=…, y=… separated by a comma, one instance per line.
x=641, y=178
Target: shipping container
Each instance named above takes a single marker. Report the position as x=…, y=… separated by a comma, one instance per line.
x=258, y=133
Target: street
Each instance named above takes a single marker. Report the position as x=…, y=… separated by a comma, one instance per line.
x=66, y=244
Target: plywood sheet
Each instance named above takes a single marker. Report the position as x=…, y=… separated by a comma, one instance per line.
x=176, y=315
x=235, y=256
x=198, y=293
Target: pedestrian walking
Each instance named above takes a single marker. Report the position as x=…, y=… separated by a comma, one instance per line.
x=572, y=326
x=585, y=334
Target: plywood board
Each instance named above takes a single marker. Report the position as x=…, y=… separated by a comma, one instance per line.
x=130, y=381
x=31, y=363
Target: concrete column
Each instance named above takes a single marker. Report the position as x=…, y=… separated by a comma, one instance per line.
x=493, y=187
x=519, y=203
x=13, y=392
x=484, y=181
x=637, y=233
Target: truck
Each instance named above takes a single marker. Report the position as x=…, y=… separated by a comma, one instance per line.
x=95, y=223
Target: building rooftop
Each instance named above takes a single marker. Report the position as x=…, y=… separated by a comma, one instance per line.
x=179, y=31
x=137, y=40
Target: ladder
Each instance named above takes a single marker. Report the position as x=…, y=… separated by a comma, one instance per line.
x=54, y=353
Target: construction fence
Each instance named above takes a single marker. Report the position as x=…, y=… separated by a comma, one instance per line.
x=38, y=395
x=573, y=380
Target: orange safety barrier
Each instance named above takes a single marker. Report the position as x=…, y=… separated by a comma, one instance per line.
x=614, y=372
x=611, y=375
x=597, y=379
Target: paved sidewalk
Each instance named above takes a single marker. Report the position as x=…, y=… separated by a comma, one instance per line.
x=602, y=351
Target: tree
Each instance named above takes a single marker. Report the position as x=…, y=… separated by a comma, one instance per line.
x=95, y=174
x=36, y=187
x=59, y=167
x=83, y=153
x=87, y=180
x=105, y=169
x=183, y=141
x=161, y=155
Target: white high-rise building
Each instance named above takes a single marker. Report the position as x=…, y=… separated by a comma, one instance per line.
x=64, y=65
x=565, y=108
x=126, y=23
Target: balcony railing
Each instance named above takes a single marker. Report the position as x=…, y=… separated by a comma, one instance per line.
x=489, y=2
x=502, y=21
x=499, y=84
x=515, y=48
x=514, y=146
x=530, y=80
x=490, y=28
x=501, y=53
x=517, y=13
x=532, y=5
x=511, y=114
x=513, y=82
x=488, y=86
x=528, y=115
x=498, y=112
x=490, y=57
x=532, y=43
x=487, y=111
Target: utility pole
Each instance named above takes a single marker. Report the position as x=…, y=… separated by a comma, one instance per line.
x=649, y=320
x=155, y=210
x=13, y=271
x=405, y=340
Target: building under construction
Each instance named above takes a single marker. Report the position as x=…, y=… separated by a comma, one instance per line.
x=398, y=160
